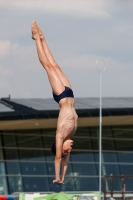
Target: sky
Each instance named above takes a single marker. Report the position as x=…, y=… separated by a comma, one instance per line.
x=80, y=33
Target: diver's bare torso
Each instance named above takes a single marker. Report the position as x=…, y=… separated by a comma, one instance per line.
x=67, y=120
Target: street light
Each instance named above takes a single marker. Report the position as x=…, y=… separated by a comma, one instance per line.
x=100, y=65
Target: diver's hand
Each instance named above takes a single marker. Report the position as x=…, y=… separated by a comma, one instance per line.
x=58, y=181
x=61, y=182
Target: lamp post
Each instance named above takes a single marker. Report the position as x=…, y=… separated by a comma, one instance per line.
x=100, y=65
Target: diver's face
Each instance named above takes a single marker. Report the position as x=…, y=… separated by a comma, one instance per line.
x=67, y=147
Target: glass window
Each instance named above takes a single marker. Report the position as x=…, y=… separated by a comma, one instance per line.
x=50, y=132
x=109, y=157
x=125, y=157
x=95, y=143
x=9, y=140
x=82, y=143
x=106, y=157
x=1, y=150
x=48, y=141
x=48, y=137
x=28, y=132
x=94, y=131
x=11, y=154
x=126, y=169
x=81, y=184
x=0, y=142
x=128, y=184
x=3, y=185
x=51, y=169
x=123, y=132
x=1, y=155
x=36, y=184
x=70, y=169
x=29, y=141
x=49, y=155
x=106, y=132
x=34, y=154
x=109, y=169
x=96, y=156
x=12, y=167
x=33, y=168
x=15, y=184
x=29, y=156
x=2, y=167
x=68, y=186
x=82, y=132
x=77, y=184
x=84, y=168
x=82, y=156
x=116, y=184
x=124, y=145
x=107, y=144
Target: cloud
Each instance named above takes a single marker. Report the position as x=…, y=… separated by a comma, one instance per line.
x=123, y=29
x=120, y=29
x=88, y=61
x=75, y=44
x=76, y=8
x=5, y=77
x=96, y=9
x=23, y=76
x=123, y=6
x=6, y=47
x=5, y=72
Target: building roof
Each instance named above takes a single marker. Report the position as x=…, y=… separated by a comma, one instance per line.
x=13, y=109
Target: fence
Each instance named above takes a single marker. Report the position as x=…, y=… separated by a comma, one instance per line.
x=124, y=194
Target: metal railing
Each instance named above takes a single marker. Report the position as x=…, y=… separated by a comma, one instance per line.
x=123, y=186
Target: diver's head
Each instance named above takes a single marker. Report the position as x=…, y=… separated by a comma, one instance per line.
x=66, y=148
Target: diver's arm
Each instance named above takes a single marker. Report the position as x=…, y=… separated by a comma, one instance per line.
x=57, y=162
x=64, y=167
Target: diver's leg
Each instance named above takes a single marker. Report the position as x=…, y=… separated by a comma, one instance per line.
x=49, y=55
x=54, y=79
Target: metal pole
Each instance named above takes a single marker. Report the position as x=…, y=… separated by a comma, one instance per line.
x=100, y=136
x=100, y=65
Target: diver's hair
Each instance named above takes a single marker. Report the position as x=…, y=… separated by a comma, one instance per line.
x=53, y=148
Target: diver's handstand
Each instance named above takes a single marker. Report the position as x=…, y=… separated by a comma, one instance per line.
x=63, y=94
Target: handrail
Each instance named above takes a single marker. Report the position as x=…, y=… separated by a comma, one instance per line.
x=111, y=176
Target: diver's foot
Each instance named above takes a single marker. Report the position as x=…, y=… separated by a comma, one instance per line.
x=34, y=30
x=40, y=33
